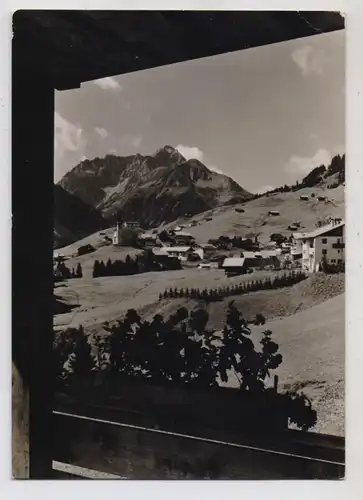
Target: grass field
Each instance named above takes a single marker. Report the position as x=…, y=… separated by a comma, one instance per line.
x=313, y=349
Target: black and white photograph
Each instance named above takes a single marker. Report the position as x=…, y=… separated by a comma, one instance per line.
x=186, y=285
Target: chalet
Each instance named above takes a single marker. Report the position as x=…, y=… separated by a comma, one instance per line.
x=183, y=253
x=181, y=238
x=234, y=266
x=273, y=213
x=148, y=240
x=326, y=242
x=208, y=249
x=263, y=258
x=304, y=197
x=57, y=257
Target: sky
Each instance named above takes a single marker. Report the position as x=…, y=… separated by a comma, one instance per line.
x=264, y=116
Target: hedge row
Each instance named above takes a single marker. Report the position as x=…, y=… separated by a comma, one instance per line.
x=216, y=294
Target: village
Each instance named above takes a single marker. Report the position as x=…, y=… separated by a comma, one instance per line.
x=308, y=251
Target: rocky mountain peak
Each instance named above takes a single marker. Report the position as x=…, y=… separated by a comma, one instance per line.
x=152, y=189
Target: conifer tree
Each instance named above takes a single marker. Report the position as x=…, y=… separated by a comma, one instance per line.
x=102, y=269
x=96, y=269
x=81, y=361
x=79, y=273
x=109, y=268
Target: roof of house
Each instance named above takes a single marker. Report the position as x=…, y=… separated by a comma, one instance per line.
x=177, y=249
x=146, y=236
x=159, y=251
x=233, y=262
x=249, y=255
x=207, y=246
x=183, y=233
x=261, y=254
x=319, y=231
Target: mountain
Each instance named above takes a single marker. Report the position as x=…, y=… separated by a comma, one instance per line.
x=150, y=189
x=73, y=218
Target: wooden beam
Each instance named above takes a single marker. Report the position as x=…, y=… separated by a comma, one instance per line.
x=32, y=253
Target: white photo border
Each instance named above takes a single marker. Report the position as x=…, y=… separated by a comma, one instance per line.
x=321, y=490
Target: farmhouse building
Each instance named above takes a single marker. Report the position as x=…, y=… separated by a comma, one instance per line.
x=263, y=258
x=182, y=238
x=208, y=249
x=234, y=266
x=148, y=240
x=325, y=243
x=183, y=253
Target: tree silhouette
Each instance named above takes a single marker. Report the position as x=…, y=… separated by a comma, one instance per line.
x=96, y=269
x=79, y=272
x=183, y=350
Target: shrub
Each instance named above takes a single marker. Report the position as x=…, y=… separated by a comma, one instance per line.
x=85, y=249
x=171, y=352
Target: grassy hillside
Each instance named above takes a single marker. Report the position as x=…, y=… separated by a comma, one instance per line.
x=312, y=343
x=225, y=220
x=107, y=299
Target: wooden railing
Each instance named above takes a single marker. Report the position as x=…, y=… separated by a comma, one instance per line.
x=106, y=443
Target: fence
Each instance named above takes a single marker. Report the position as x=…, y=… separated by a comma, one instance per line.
x=154, y=432
x=101, y=443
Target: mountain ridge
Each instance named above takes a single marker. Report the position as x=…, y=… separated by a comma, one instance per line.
x=150, y=188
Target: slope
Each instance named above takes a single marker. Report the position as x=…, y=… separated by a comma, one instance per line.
x=73, y=219
x=312, y=343
x=226, y=220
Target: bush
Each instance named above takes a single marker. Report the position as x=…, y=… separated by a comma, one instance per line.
x=331, y=268
x=278, y=238
x=85, y=249
x=182, y=350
